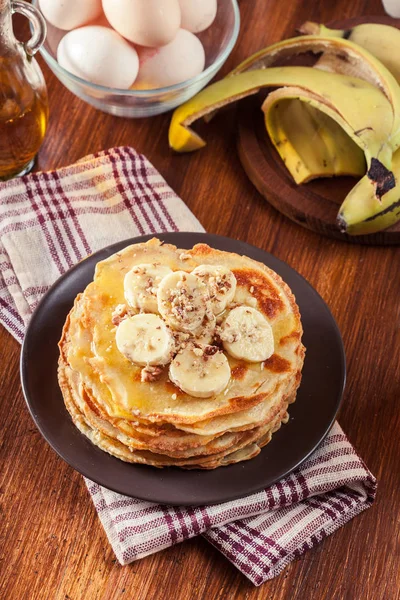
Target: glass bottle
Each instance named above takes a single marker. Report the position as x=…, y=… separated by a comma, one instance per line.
x=23, y=94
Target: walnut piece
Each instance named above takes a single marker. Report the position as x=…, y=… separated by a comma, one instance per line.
x=119, y=314
x=149, y=374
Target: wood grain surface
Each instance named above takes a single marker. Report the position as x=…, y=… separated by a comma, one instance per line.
x=52, y=545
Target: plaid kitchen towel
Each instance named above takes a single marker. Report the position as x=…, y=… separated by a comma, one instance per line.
x=50, y=221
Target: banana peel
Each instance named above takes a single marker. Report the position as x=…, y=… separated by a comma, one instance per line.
x=362, y=213
x=358, y=107
x=344, y=56
x=382, y=41
x=310, y=143
x=333, y=153
x=379, y=182
x=350, y=55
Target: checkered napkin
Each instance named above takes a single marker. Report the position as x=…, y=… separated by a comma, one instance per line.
x=50, y=221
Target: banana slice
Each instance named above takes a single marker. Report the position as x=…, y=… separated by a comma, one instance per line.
x=247, y=335
x=145, y=340
x=200, y=370
x=141, y=283
x=182, y=301
x=221, y=284
x=205, y=333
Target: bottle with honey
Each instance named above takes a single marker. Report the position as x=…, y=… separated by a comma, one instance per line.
x=23, y=94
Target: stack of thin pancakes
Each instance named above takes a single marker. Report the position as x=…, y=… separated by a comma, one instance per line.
x=151, y=420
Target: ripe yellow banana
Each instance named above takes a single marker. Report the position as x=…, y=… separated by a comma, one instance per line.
x=310, y=143
x=383, y=41
x=361, y=213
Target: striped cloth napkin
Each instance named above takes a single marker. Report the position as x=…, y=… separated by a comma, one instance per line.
x=50, y=221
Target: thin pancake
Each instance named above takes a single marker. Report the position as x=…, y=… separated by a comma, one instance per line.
x=244, y=451
x=92, y=350
x=155, y=422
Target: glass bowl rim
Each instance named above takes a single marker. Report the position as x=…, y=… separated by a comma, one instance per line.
x=214, y=67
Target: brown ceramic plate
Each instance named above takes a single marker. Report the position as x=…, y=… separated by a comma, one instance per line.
x=311, y=416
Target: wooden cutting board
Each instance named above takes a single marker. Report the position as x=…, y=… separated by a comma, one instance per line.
x=313, y=205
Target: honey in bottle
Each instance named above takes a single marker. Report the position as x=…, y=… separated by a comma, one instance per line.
x=23, y=95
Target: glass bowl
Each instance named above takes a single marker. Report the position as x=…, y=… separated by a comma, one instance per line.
x=218, y=41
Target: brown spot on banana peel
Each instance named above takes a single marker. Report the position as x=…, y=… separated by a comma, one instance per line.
x=384, y=212
x=381, y=177
x=347, y=34
x=342, y=224
x=383, y=181
x=343, y=57
x=360, y=131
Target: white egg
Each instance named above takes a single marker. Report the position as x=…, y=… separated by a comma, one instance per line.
x=99, y=55
x=69, y=14
x=197, y=15
x=144, y=22
x=181, y=59
x=392, y=7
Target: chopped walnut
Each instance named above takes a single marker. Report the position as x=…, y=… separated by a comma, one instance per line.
x=217, y=336
x=204, y=351
x=181, y=339
x=182, y=336
x=150, y=374
x=211, y=350
x=119, y=314
x=183, y=304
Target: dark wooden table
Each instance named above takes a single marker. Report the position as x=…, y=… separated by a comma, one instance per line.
x=53, y=546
